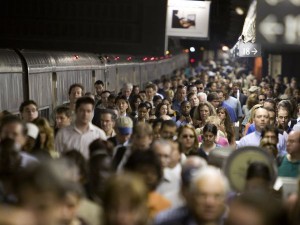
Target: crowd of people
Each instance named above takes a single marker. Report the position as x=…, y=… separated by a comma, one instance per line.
x=143, y=155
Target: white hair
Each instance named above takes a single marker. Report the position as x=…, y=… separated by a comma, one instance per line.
x=128, y=86
x=202, y=95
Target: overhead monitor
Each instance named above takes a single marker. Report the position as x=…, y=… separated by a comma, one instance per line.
x=188, y=19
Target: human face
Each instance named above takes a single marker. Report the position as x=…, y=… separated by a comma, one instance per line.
x=215, y=103
x=272, y=117
x=69, y=208
x=213, y=87
x=168, y=132
x=104, y=98
x=122, y=106
x=186, y=109
x=175, y=155
x=76, y=93
x=261, y=99
x=269, y=105
x=261, y=119
x=221, y=97
x=194, y=100
x=283, y=118
x=164, y=153
x=293, y=143
x=149, y=93
x=209, y=137
x=30, y=113
x=222, y=115
x=187, y=138
x=200, y=88
x=208, y=199
x=181, y=94
x=15, y=132
x=271, y=137
x=141, y=142
x=143, y=96
x=163, y=110
x=137, y=102
x=204, y=112
x=107, y=124
x=142, y=113
x=127, y=92
x=84, y=114
x=194, y=90
x=99, y=88
x=61, y=120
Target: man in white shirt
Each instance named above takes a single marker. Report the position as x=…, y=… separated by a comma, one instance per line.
x=80, y=134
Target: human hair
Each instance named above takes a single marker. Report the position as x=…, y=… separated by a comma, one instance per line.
x=100, y=146
x=190, y=95
x=208, y=172
x=150, y=85
x=169, y=123
x=78, y=159
x=209, y=127
x=123, y=97
x=190, y=127
x=143, y=105
x=126, y=188
x=270, y=128
x=84, y=100
x=128, y=86
x=75, y=85
x=26, y=103
x=44, y=127
x=211, y=109
x=142, y=129
x=258, y=169
x=253, y=110
x=212, y=96
x=133, y=100
x=227, y=124
x=110, y=112
x=285, y=105
x=197, y=82
x=252, y=100
x=10, y=119
x=145, y=158
x=63, y=110
x=157, y=109
x=99, y=82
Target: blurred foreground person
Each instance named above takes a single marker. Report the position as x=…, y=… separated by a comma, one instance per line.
x=125, y=201
x=15, y=216
x=205, y=200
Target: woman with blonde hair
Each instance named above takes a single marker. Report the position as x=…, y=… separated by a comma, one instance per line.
x=188, y=139
x=202, y=112
x=46, y=139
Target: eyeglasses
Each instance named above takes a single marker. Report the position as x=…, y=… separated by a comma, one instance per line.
x=261, y=99
x=199, y=88
x=188, y=136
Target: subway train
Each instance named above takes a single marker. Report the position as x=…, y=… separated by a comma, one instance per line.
x=46, y=76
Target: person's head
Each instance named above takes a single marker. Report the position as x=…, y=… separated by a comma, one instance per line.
x=202, y=96
x=143, y=96
x=193, y=99
x=236, y=86
x=104, y=98
x=187, y=137
x=255, y=209
x=46, y=133
x=200, y=86
x=143, y=112
x=75, y=91
x=261, y=98
x=29, y=110
x=252, y=100
x=272, y=116
x=62, y=117
x=205, y=109
x=14, y=128
x=181, y=93
x=293, y=144
x=283, y=118
x=125, y=200
x=150, y=91
x=135, y=101
x=170, y=94
x=124, y=127
x=107, y=120
x=223, y=113
x=163, y=150
x=99, y=87
x=166, y=84
x=213, y=98
x=168, y=129
x=41, y=190
x=99, y=167
x=123, y=104
x=84, y=110
x=261, y=119
x=127, y=89
x=270, y=133
x=207, y=193
x=192, y=89
x=142, y=136
x=210, y=132
x=136, y=89
x=111, y=100
x=185, y=108
x=258, y=177
x=157, y=100
x=161, y=109
x=146, y=164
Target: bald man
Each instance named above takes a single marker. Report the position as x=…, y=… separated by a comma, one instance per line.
x=261, y=120
x=290, y=164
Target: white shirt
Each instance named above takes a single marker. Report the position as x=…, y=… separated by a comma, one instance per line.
x=72, y=138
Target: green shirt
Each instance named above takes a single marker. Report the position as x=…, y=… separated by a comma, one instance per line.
x=288, y=168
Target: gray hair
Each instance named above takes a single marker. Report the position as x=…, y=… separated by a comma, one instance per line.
x=128, y=86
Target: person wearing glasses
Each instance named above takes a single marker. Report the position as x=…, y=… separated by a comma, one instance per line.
x=261, y=98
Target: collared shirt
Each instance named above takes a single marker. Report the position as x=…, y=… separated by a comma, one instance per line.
x=72, y=138
x=236, y=105
x=253, y=139
x=113, y=133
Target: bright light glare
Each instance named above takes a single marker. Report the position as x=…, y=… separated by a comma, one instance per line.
x=225, y=48
x=192, y=49
x=239, y=11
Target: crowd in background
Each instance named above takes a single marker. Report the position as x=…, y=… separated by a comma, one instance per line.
x=143, y=155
